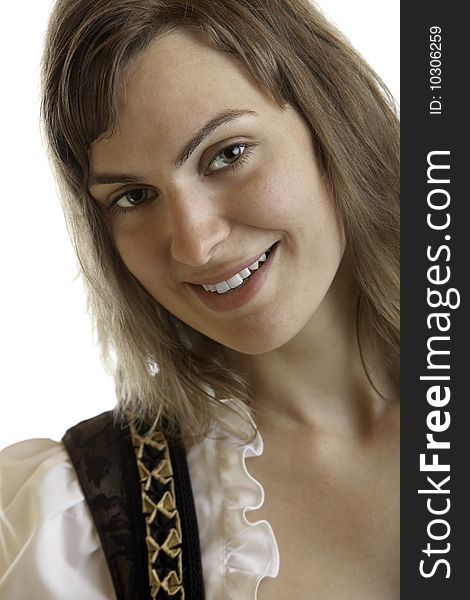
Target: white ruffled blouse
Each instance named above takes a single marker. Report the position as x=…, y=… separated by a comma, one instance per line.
x=50, y=550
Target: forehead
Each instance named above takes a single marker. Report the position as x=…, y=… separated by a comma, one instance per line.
x=176, y=84
x=182, y=68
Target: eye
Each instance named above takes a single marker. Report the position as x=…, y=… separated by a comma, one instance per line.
x=226, y=157
x=133, y=198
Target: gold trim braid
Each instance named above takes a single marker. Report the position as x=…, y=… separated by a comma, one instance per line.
x=162, y=519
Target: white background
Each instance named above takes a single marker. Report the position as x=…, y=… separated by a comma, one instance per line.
x=50, y=373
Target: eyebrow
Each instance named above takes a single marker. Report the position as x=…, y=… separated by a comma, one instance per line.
x=106, y=178
x=221, y=119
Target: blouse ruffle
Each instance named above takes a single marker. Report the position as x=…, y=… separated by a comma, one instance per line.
x=236, y=552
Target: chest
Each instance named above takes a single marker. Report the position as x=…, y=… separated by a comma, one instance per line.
x=334, y=509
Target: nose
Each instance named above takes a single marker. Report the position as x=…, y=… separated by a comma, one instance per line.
x=197, y=226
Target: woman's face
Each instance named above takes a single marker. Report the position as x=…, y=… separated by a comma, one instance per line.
x=203, y=175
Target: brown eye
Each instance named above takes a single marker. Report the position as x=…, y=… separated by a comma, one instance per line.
x=226, y=157
x=134, y=198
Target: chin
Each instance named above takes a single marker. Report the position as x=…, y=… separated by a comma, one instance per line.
x=257, y=341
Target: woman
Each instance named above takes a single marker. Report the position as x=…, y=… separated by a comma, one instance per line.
x=230, y=180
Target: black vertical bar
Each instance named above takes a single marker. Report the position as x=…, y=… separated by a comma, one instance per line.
x=435, y=121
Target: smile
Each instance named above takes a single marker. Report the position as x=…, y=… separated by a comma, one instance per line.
x=245, y=285
x=222, y=287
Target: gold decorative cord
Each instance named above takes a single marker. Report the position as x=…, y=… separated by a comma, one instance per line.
x=162, y=520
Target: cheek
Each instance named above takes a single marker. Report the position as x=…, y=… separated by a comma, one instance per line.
x=266, y=200
x=140, y=251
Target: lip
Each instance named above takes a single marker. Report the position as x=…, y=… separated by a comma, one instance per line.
x=224, y=275
x=241, y=295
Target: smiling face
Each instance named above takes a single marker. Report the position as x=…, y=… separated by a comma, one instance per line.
x=203, y=175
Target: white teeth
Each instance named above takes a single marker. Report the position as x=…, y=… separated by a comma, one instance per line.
x=255, y=265
x=234, y=281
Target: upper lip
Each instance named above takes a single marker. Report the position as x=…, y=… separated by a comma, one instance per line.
x=227, y=274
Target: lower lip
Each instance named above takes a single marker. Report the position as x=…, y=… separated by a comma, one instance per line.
x=239, y=296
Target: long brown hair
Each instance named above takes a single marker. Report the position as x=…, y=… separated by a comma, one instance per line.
x=162, y=367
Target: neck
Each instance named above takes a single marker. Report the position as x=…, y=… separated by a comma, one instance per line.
x=317, y=380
